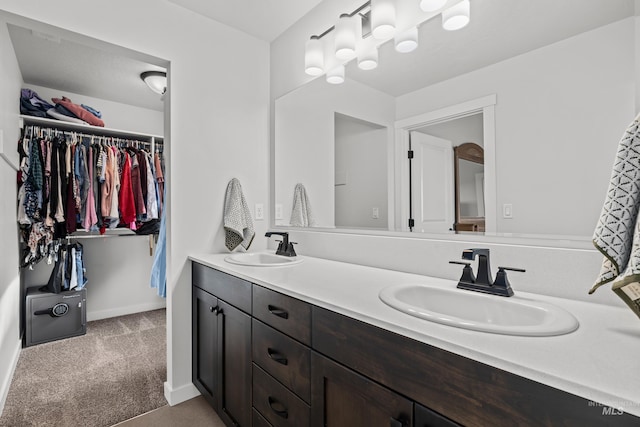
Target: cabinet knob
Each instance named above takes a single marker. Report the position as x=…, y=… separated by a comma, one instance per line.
x=215, y=310
x=273, y=403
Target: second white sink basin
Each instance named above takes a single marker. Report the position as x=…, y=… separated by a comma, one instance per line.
x=480, y=312
x=262, y=259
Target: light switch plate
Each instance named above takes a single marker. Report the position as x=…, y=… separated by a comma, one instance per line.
x=375, y=213
x=507, y=211
x=278, y=210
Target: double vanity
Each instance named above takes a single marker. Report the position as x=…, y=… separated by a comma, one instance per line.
x=302, y=341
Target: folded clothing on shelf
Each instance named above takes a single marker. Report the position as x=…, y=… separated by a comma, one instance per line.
x=78, y=111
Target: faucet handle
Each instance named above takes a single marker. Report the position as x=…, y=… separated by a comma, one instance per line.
x=467, y=272
x=502, y=281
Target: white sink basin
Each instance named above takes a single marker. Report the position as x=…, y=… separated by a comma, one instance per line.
x=480, y=312
x=262, y=259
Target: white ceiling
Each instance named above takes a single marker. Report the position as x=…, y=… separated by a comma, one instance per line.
x=499, y=29
x=264, y=19
x=48, y=60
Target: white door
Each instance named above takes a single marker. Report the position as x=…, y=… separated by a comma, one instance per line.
x=432, y=188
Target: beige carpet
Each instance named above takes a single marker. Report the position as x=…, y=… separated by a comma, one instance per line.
x=114, y=372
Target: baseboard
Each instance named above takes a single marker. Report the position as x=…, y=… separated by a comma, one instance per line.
x=180, y=394
x=123, y=311
x=4, y=387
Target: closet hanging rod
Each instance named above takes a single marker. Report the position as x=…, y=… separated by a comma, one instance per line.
x=87, y=129
x=100, y=236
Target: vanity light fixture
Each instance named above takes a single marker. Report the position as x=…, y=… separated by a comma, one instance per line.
x=348, y=31
x=456, y=16
x=367, y=57
x=383, y=19
x=375, y=18
x=431, y=5
x=335, y=76
x=155, y=80
x=314, y=57
x=406, y=41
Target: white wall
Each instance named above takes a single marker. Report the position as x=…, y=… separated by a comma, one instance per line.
x=574, y=99
x=305, y=134
x=10, y=84
x=361, y=159
x=219, y=98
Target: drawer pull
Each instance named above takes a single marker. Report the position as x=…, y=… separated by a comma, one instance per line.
x=277, y=357
x=278, y=311
x=214, y=310
x=396, y=423
x=280, y=412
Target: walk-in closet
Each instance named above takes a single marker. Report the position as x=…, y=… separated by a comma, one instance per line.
x=55, y=64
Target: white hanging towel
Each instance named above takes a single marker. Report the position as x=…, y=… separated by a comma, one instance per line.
x=238, y=225
x=617, y=233
x=301, y=214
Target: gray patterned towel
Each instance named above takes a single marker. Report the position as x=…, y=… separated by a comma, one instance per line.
x=301, y=213
x=238, y=225
x=617, y=234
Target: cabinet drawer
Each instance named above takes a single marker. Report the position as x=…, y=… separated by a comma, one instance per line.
x=425, y=417
x=233, y=290
x=278, y=405
x=285, y=359
x=258, y=420
x=289, y=315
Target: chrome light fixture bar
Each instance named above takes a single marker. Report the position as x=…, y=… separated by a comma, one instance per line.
x=376, y=18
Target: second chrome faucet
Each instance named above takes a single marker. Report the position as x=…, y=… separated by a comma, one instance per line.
x=483, y=280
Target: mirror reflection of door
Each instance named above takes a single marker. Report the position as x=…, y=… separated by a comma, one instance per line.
x=447, y=192
x=431, y=183
x=469, y=171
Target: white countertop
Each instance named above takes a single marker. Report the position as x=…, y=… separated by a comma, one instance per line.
x=598, y=362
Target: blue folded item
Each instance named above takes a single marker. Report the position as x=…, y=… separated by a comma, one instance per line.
x=93, y=111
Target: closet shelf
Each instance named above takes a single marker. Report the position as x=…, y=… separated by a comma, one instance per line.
x=88, y=129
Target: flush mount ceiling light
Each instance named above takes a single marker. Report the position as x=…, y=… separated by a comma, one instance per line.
x=361, y=32
x=456, y=16
x=155, y=80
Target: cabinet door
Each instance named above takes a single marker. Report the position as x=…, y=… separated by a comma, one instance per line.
x=234, y=365
x=204, y=344
x=425, y=417
x=340, y=397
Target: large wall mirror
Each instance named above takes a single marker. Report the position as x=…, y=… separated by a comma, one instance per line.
x=562, y=98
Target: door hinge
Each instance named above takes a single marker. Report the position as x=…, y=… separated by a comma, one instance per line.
x=411, y=223
x=410, y=154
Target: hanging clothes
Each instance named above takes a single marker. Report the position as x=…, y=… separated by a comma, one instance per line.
x=159, y=267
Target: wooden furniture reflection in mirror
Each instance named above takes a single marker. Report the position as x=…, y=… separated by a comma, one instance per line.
x=469, y=187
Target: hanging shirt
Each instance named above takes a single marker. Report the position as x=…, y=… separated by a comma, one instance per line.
x=126, y=201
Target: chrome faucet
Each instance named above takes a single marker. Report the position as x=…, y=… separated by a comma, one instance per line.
x=285, y=247
x=482, y=281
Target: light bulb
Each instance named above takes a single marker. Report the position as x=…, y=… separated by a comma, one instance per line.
x=407, y=41
x=348, y=33
x=431, y=5
x=383, y=19
x=313, y=57
x=456, y=16
x=336, y=75
x=368, y=57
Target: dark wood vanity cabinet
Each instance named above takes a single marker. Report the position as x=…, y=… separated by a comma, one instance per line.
x=266, y=359
x=281, y=358
x=341, y=397
x=221, y=343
